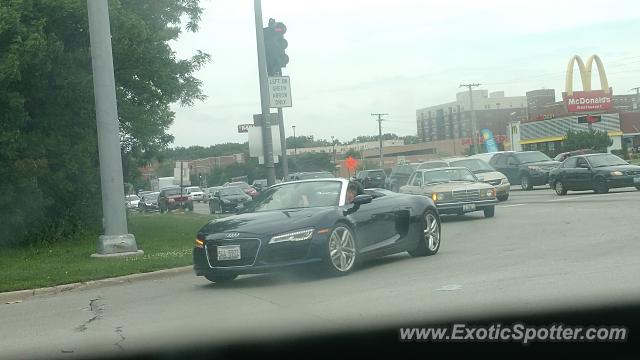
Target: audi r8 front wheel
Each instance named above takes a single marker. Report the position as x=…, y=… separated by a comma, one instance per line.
x=341, y=251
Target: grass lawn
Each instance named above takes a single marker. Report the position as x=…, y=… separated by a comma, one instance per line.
x=167, y=241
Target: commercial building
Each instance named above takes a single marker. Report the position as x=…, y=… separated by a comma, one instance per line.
x=452, y=121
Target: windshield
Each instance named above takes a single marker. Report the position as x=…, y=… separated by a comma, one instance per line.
x=605, y=160
x=297, y=195
x=173, y=192
x=433, y=165
x=405, y=169
x=439, y=176
x=376, y=173
x=151, y=197
x=531, y=157
x=228, y=191
x=194, y=189
x=475, y=165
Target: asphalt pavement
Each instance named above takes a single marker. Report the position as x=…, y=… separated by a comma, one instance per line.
x=539, y=252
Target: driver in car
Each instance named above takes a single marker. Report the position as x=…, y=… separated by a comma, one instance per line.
x=353, y=189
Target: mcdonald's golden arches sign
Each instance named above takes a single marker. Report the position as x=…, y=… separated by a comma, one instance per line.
x=587, y=100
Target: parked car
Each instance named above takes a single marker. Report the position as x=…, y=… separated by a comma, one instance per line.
x=142, y=193
x=399, y=176
x=131, y=201
x=597, y=172
x=195, y=192
x=248, y=189
x=563, y=156
x=173, y=198
x=227, y=199
x=527, y=168
x=208, y=192
x=374, y=178
x=301, y=223
x=432, y=164
x=454, y=190
x=485, y=173
x=149, y=202
x=259, y=184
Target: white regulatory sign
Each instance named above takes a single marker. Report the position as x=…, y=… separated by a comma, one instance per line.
x=279, y=92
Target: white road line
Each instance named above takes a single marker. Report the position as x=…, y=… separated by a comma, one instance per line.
x=504, y=206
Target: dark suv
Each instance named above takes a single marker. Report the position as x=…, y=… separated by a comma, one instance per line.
x=174, y=198
x=527, y=168
x=399, y=176
x=371, y=178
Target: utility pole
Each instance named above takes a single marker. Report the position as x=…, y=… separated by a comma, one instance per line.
x=637, y=89
x=333, y=150
x=379, y=120
x=295, y=144
x=116, y=240
x=267, y=140
x=474, y=137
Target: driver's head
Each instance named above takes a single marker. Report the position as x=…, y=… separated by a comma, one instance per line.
x=353, y=189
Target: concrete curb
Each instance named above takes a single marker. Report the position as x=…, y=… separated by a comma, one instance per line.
x=20, y=295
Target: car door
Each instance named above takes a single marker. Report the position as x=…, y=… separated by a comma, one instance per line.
x=582, y=178
x=511, y=169
x=567, y=174
x=375, y=224
x=414, y=184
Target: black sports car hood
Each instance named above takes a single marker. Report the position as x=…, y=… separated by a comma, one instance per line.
x=268, y=222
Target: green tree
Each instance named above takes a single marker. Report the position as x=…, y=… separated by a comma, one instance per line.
x=592, y=139
x=48, y=164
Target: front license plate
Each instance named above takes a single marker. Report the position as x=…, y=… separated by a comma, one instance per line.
x=636, y=180
x=468, y=207
x=229, y=252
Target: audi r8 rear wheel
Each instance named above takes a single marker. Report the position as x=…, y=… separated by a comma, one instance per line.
x=221, y=278
x=342, y=252
x=429, y=241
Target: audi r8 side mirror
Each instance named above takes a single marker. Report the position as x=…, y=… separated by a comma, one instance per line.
x=362, y=199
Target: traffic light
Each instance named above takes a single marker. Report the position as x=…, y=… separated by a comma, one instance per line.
x=274, y=45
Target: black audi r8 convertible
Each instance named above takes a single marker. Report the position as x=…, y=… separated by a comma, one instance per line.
x=311, y=222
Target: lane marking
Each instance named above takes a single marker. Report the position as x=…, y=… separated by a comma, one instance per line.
x=583, y=196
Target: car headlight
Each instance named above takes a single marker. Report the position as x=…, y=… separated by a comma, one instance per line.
x=292, y=236
x=534, y=168
x=439, y=196
x=616, y=173
x=504, y=181
x=488, y=193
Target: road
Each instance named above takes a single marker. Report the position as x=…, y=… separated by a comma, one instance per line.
x=540, y=252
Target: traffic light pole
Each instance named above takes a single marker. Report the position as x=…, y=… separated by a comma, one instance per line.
x=267, y=140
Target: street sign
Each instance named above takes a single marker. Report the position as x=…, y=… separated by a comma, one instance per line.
x=279, y=92
x=255, y=141
x=244, y=128
x=257, y=119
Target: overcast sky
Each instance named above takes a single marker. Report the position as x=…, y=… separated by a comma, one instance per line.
x=349, y=59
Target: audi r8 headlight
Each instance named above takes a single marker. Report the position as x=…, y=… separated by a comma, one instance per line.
x=292, y=236
x=616, y=173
